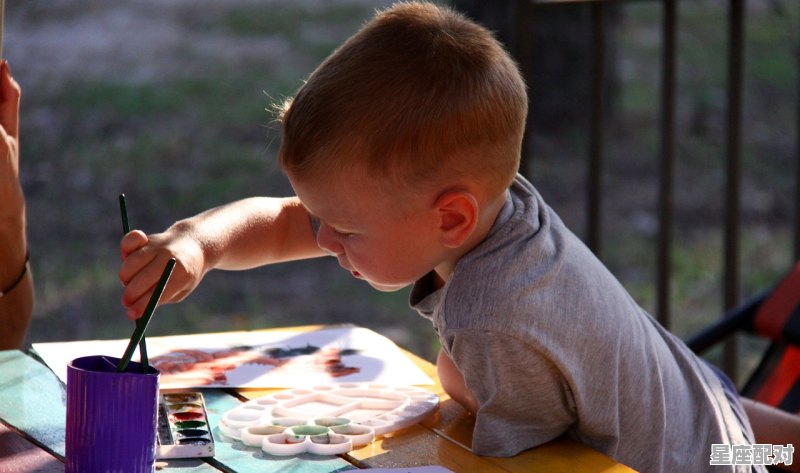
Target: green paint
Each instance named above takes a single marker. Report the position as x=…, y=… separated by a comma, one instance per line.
x=309, y=430
x=193, y=432
x=189, y=424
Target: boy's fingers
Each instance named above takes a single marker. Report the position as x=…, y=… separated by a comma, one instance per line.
x=181, y=295
x=140, y=289
x=133, y=312
x=142, y=281
x=137, y=309
x=135, y=299
x=144, y=258
x=131, y=242
x=134, y=264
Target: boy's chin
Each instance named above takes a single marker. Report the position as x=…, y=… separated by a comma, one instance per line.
x=386, y=287
x=383, y=287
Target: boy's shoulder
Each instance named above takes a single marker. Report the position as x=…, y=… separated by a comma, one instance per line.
x=523, y=232
x=531, y=262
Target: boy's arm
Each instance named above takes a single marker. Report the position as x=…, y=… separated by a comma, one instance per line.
x=253, y=232
x=773, y=426
x=239, y=235
x=523, y=399
x=453, y=383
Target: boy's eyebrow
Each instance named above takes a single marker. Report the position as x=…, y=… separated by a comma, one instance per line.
x=329, y=223
x=310, y=213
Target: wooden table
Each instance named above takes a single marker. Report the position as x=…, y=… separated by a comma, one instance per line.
x=32, y=423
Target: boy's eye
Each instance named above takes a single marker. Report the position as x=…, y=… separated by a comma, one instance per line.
x=342, y=233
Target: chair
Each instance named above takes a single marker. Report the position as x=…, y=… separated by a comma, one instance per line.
x=775, y=315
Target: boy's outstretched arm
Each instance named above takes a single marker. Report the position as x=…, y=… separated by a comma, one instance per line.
x=240, y=235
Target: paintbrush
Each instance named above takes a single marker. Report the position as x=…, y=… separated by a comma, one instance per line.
x=126, y=228
x=141, y=326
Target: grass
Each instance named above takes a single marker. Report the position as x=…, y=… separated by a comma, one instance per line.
x=176, y=147
x=184, y=142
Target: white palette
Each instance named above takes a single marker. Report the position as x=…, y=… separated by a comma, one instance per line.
x=326, y=420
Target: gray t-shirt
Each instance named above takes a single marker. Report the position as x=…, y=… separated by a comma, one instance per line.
x=549, y=343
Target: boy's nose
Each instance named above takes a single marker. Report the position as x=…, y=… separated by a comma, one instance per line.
x=327, y=242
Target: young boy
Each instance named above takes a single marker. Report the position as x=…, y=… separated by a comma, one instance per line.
x=403, y=148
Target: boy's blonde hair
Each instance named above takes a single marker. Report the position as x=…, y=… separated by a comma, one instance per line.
x=419, y=95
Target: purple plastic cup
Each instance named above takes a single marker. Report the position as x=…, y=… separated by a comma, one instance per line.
x=111, y=417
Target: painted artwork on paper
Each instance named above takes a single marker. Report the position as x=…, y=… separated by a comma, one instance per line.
x=282, y=358
x=210, y=368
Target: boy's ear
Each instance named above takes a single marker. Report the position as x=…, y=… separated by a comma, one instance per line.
x=458, y=217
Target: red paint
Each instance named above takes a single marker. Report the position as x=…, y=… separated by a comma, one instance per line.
x=187, y=415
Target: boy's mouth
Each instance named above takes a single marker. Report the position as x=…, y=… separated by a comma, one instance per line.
x=347, y=267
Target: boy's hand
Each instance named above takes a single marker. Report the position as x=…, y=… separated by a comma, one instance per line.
x=240, y=235
x=143, y=261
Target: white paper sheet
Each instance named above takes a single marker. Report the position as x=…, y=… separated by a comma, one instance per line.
x=417, y=469
x=266, y=359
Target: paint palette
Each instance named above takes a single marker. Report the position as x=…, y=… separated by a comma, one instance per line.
x=326, y=420
x=183, y=428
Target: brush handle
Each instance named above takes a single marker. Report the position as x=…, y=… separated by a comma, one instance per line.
x=123, y=211
x=126, y=228
x=141, y=326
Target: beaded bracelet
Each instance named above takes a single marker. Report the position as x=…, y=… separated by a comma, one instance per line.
x=19, y=278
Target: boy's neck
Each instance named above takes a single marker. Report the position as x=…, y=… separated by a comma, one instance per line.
x=488, y=215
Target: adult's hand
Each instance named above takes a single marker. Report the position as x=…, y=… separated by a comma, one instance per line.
x=12, y=202
x=16, y=283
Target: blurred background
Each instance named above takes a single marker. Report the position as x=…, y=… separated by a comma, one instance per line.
x=168, y=101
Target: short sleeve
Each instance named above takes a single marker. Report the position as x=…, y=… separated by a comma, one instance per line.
x=524, y=401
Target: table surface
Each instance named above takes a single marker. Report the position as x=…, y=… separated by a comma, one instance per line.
x=32, y=435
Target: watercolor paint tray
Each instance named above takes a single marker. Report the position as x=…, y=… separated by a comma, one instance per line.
x=326, y=420
x=183, y=428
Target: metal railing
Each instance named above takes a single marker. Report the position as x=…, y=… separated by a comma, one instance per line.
x=524, y=15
